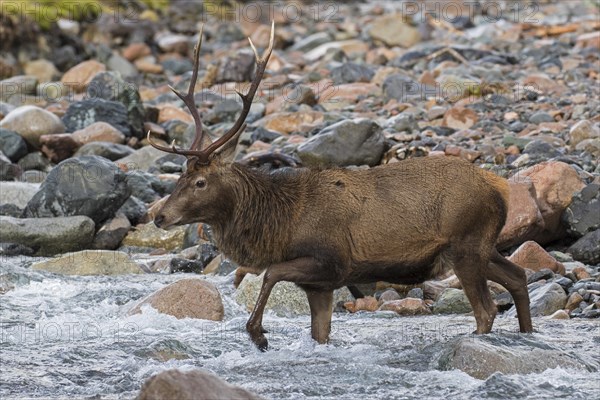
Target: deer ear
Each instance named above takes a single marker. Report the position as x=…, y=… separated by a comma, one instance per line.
x=226, y=153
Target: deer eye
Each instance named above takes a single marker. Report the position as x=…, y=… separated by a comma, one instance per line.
x=200, y=183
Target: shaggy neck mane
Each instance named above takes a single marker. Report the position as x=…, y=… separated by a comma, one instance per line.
x=255, y=236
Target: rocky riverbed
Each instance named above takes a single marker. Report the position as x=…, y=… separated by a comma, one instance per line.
x=509, y=87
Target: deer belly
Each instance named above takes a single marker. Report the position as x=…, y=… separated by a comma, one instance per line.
x=391, y=272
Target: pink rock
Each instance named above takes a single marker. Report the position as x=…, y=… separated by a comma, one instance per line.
x=368, y=303
x=186, y=298
x=554, y=183
x=532, y=256
x=168, y=112
x=459, y=117
x=136, y=50
x=408, y=306
x=99, y=132
x=524, y=220
x=82, y=74
x=288, y=122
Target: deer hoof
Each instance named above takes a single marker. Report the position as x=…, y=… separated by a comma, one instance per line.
x=261, y=342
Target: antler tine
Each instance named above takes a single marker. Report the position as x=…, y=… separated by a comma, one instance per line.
x=261, y=64
x=171, y=149
x=188, y=100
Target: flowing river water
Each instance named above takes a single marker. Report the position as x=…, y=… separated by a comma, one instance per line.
x=71, y=337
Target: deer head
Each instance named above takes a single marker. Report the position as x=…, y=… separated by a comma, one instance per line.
x=204, y=189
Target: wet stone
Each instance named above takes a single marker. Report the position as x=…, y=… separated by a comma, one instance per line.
x=15, y=249
x=183, y=265
x=206, y=252
x=543, y=274
x=10, y=210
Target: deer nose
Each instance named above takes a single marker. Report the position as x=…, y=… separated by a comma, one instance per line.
x=158, y=220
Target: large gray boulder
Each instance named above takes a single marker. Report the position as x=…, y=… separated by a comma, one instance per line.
x=191, y=385
x=587, y=248
x=89, y=185
x=483, y=355
x=583, y=214
x=348, y=142
x=48, y=236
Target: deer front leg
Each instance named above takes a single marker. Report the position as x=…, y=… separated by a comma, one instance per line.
x=305, y=270
x=321, y=308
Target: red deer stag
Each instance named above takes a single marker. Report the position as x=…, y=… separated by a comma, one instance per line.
x=324, y=229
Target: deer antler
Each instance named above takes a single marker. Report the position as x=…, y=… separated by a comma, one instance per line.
x=195, y=150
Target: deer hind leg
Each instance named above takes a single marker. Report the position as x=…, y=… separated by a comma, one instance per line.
x=513, y=278
x=469, y=267
x=321, y=308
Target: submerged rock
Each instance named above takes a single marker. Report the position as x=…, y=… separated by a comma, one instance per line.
x=483, y=355
x=15, y=249
x=187, y=298
x=191, y=385
x=48, y=236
